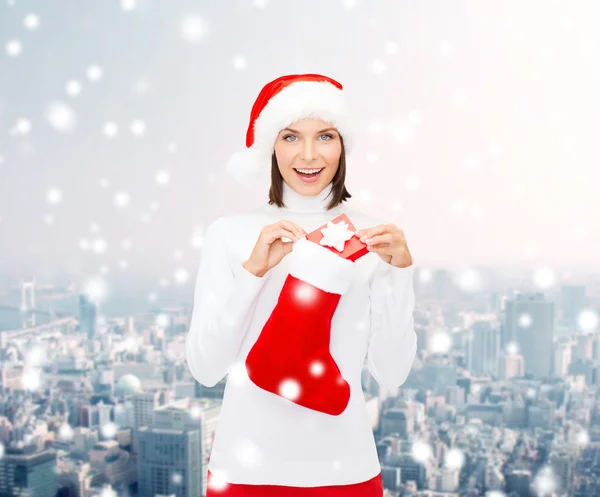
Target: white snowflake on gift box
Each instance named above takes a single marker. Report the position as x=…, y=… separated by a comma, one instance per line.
x=336, y=235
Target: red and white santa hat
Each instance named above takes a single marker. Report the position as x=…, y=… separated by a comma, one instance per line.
x=280, y=103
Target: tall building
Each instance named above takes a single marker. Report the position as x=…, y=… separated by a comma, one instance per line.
x=143, y=408
x=192, y=414
x=483, y=347
x=562, y=358
x=143, y=412
x=87, y=316
x=572, y=299
x=26, y=471
x=511, y=366
x=169, y=461
x=530, y=324
x=562, y=465
x=584, y=346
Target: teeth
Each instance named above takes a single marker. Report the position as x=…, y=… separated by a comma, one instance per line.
x=309, y=171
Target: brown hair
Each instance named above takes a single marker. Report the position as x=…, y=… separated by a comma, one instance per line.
x=339, y=193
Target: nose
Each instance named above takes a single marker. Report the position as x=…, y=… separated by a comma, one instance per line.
x=308, y=152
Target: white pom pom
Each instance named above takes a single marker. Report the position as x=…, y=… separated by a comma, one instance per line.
x=249, y=167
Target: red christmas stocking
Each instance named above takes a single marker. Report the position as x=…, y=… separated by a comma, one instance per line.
x=291, y=356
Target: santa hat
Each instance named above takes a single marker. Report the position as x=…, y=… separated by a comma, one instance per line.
x=280, y=103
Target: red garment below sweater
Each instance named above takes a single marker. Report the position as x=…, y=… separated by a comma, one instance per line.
x=369, y=488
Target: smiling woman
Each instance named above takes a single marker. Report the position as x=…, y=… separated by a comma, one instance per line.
x=308, y=157
x=285, y=393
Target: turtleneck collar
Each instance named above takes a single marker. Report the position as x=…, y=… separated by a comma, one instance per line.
x=296, y=202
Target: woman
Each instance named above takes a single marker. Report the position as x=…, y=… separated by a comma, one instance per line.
x=267, y=442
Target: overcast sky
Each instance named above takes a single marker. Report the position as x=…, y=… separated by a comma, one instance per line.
x=477, y=126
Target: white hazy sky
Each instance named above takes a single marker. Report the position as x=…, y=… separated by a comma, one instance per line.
x=477, y=125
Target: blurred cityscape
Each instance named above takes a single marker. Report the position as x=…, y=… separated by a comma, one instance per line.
x=501, y=400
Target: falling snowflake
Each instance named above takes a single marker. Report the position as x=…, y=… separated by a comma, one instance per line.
x=65, y=432
x=108, y=491
x=441, y=343
x=317, y=368
x=138, y=127
x=469, y=280
x=73, y=88
x=54, y=196
x=128, y=5
x=525, y=320
x=31, y=379
x=121, y=199
x=31, y=22
x=22, y=127
x=545, y=482
x=421, y=451
x=162, y=320
x=289, y=389
x=95, y=288
x=162, y=177
x=583, y=438
x=61, y=117
x=239, y=63
x=248, y=454
x=512, y=348
x=544, y=278
x=194, y=28
x=587, y=320
x=455, y=458
x=13, y=48
x=110, y=129
x=94, y=73
x=181, y=276
x=217, y=481
x=109, y=430
x=195, y=412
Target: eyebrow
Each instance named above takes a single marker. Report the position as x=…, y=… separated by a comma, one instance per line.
x=294, y=131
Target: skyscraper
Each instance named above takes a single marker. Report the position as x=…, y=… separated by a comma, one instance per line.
x=530, y=324
x=26, y=471
x=483, y=346
x=87, y=316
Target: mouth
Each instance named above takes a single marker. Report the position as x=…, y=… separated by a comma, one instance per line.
x=308, y=175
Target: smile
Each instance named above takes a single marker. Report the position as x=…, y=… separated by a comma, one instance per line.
x=308, y=175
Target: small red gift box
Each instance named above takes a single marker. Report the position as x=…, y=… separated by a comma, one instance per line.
x=353, y=248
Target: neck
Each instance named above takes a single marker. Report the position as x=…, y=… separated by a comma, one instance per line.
x=296, y=202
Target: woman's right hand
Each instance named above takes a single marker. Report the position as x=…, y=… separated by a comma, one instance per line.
x=270, y=249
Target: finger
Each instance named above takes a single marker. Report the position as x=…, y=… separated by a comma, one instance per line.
x=292, y=235
x=300, y=228
x=282, y=225
x=292, y=227
x=375, y=230
x=386, y=238
x=381, y=248
x=277, y=233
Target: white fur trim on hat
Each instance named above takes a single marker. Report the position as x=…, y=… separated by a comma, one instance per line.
x=299, y=100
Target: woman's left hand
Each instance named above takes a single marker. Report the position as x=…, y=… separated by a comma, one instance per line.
x=387, y=241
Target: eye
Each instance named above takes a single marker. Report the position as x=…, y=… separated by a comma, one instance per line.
x=325, y=134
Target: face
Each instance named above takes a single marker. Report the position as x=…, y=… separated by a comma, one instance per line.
x=308, y=144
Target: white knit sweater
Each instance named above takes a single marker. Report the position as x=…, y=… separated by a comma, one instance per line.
x=261, y=437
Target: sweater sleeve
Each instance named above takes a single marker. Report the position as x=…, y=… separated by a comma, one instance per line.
x=392, y=338
x=224, y=300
